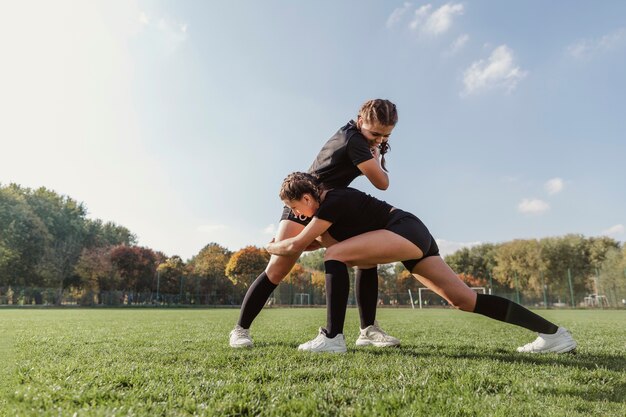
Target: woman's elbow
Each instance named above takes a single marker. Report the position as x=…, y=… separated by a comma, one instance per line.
x=382, y=185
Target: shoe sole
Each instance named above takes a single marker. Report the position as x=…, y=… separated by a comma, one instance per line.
x=377, y=344
x=324, y=351
x=568, y=348
x=241, y=346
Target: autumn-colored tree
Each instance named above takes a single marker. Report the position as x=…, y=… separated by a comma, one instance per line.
x=170, y=274
x=96, y=274
x=136, y=266
x=298, y=276
x=245, y=265
x=472, y=281
x=318, y=280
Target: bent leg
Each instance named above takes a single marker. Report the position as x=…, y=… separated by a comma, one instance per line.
x=368, y=249
x=263, y=286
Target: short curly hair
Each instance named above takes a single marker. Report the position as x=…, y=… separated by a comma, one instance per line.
x=299, y=183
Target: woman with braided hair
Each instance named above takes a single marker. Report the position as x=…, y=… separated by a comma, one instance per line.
x=370, y=231
x=358, y=148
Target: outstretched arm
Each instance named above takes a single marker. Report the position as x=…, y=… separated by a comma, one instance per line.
x=297, y=244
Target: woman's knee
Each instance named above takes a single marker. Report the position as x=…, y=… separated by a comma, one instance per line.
x=464, y=301
x=278, y=268
x=332, y=254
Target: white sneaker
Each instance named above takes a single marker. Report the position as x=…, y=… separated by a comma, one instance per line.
x=559, y=342
x=240, y=337
x=325, y=344
x=374, y=335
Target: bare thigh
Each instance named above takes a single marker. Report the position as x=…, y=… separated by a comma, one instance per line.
x=279, y=266
x=373, y=248
x=434, y=273
x=327, y=241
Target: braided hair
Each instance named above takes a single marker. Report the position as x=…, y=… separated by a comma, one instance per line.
x=380, y=112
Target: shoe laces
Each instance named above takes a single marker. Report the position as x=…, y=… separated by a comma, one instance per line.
x=377, y=332
x=241, y=332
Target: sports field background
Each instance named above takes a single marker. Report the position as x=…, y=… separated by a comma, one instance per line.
x=146, y=362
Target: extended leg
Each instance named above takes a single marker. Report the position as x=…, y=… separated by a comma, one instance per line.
x=263, y=286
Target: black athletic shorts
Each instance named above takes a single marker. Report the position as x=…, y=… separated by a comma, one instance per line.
x=288, y=215
x=411, y=228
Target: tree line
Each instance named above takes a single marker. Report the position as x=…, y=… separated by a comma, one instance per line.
x=47, y=242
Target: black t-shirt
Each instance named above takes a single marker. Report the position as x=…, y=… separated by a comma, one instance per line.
x=352, y=212
x=336, y=163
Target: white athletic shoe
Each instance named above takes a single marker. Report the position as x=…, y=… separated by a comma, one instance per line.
x=559, y=342
x=240, y=337
x=324, y=344
x=374, y=335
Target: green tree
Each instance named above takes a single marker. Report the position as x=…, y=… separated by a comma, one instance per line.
x=209, y=266
x=23, y=239
x=170, y=273
x=100, y=234
x=519, y=265
x=563, y=257
x=313, y=260
x=65, y=221
x=477, y=261
x=97, y=274
x=612, y=277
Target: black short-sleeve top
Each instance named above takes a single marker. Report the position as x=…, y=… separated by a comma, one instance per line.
x=352, y=212
x=335, y=164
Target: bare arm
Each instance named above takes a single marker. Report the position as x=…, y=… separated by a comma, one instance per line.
x=374, y=171
x=296, y=245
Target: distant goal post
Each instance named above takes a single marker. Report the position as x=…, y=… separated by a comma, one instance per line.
x=421, y=290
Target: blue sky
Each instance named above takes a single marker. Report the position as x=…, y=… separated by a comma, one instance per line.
x=179, y=120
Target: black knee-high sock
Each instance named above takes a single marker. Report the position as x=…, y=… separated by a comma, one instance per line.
x=509, y=312
x=256, y=296
x=337, y=291
x=366, y=289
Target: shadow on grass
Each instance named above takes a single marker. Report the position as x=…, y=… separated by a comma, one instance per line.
x=577, y=360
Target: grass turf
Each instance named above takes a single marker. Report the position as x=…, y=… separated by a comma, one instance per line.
x=138, y=362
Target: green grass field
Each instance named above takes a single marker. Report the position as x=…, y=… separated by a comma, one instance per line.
x=141, y=362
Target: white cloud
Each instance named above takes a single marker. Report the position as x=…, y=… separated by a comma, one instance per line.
x=458, y=44
x=419, y=16
x=618, y=229
x=425, y=21
x=533, y=206
x=554, y=186
x=586, y=47
x=397, y=14
x=270, y=229
x=447, y=247
x=498, y=71
x=441, y=20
